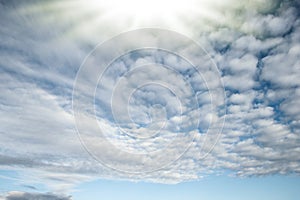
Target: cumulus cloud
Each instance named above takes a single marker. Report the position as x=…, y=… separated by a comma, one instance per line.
x=255, y=46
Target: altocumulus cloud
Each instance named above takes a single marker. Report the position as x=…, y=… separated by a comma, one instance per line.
x=255, y=46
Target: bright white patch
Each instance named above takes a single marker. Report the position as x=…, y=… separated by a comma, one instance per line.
x=145, y=9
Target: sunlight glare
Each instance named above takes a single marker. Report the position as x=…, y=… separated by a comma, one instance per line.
x=145, y=9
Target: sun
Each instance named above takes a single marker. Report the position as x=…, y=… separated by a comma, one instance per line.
x=145, y=9
x=91, y=17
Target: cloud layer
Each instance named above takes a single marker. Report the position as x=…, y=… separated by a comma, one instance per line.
x=255, y=46
x=33, y=196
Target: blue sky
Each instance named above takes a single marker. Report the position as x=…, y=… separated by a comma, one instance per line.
x=162, y=99
x=214, y=188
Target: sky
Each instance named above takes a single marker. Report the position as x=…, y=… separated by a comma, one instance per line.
x=194, y=99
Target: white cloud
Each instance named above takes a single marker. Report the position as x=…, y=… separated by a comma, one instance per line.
x=257, y=54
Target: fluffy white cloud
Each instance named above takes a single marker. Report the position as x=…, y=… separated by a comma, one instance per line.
x=256, y=48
